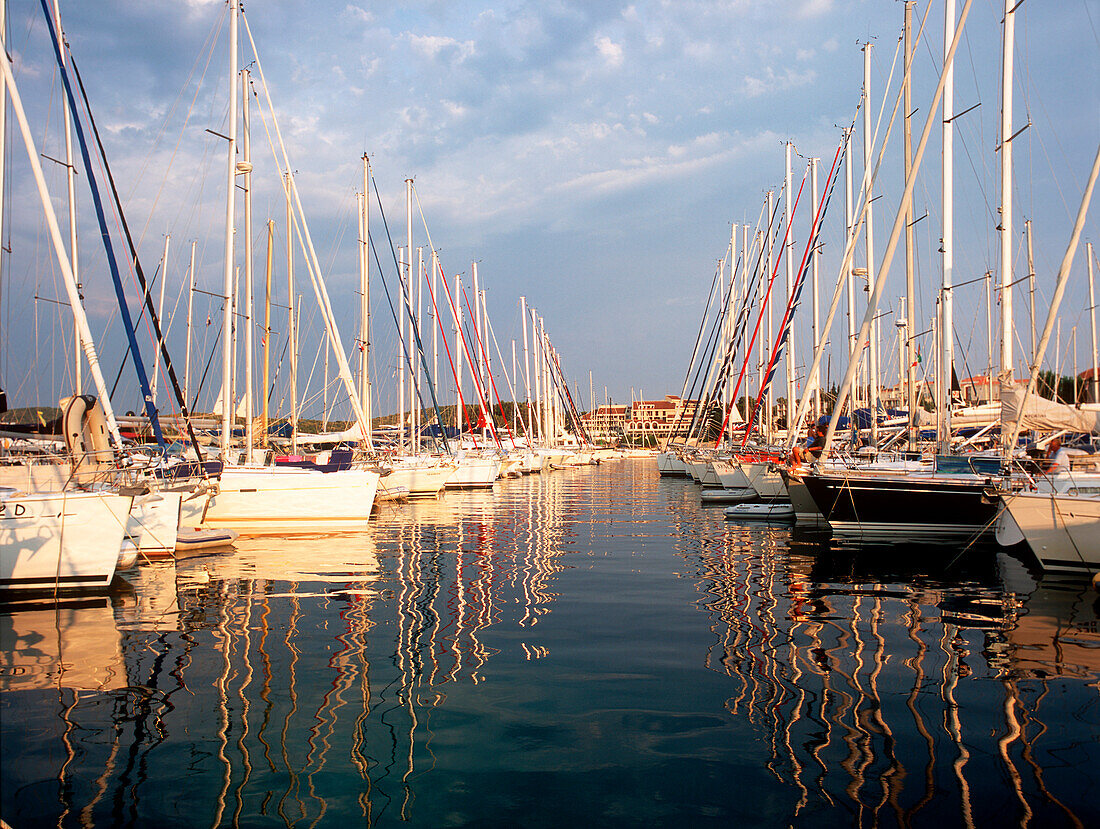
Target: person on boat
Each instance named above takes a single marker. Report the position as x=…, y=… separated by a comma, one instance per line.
x=815, y=443
x=1057, y=457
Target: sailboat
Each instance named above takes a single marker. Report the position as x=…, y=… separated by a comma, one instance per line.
x=251, y=498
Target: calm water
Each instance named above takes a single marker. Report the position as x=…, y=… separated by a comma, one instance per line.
x=586, y=647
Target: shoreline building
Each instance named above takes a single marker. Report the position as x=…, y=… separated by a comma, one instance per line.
x=642, y=421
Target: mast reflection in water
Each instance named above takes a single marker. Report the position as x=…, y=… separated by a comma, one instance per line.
x=587, y=646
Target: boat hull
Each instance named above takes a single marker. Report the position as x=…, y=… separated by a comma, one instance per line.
x=280, y=500
x=1062, y=531
x=911, y=507
x=61, y=540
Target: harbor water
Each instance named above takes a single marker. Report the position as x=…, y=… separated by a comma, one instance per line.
x=584, y=647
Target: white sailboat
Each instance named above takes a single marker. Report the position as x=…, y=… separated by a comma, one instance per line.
x=255, y=499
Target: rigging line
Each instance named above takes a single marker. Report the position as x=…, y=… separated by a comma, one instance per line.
x=763, y=302
x=412, y=321
x=751, y=298
x=511, y=388
x=483, y=397
x=209, y=47
x=792, y=302
x=700, y=413
x=141, y=316
x=698, y=339
x=439, y=321
x=104, y=231
x=404, y=346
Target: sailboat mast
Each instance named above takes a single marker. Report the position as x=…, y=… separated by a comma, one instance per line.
x=1006, y=190
x=435, y=323
x=1092, y=324
x=227, y=284
x=267, y=329
x=526, y=367
x=1030, y=287
x=418, y=376
x=768, y=303
x=292, y=328
x=460, y=406
x=70, y=180
x=947, y=317
x=160, y=315
x=849, y=273
x=364, y=334
x=910, y=288
x=869, y=239
x=190, y=308
x=246, y=173
x=407, y=298
x=4, y=150
x=81, y=320
x=789, y=271
x=815, y=377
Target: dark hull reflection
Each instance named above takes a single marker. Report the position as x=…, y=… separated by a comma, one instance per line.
x=586, y=647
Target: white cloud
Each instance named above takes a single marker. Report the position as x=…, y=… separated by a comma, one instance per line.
x=815, y=8
x=358, y=13
x=431, y=46
x=454, y=108
x=612, y=52
x=772, y=82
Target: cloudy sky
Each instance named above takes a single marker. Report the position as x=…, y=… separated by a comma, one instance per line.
x=588, y=155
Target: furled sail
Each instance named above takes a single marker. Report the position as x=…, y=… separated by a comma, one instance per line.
x=1040, y=413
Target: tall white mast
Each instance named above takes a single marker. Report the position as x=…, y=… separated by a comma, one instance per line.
x=849, y=274
x=537, y=371
x=227, y=284
x=869, y=239
x=361, y=340
x=1092, y=324
x=160, y=315
x=69, y=280
x=1006, y=191
x=1030, y=288
x=435, y=314
x=364, y=334
x=70, y=178
x=413, y=348
x=815, y=378
x=402, y=280
x=292, y=328
x=459, y=400
x=526, y=367
x=190, y=308
x=910, y=288
x=947, y=324
x=407, y=292
x=789, y=270
x=4, y=147
x=745, y=277
x=769, y=304
x=245, y=167
x=895, y=233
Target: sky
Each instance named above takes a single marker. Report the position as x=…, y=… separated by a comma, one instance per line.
x=590, y=156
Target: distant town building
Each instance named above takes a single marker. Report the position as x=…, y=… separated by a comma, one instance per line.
x=644, y=421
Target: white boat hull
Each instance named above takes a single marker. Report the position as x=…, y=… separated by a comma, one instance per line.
x=474, y=472
x=1063, y=531
x=61, y=540
x=767, y=484
x=154, y=522
x=281, y=500
x=420, y=480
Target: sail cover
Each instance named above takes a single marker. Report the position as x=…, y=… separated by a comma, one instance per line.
x=1044, y=414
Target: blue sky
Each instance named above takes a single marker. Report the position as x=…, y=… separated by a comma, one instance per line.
x=590, y=156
